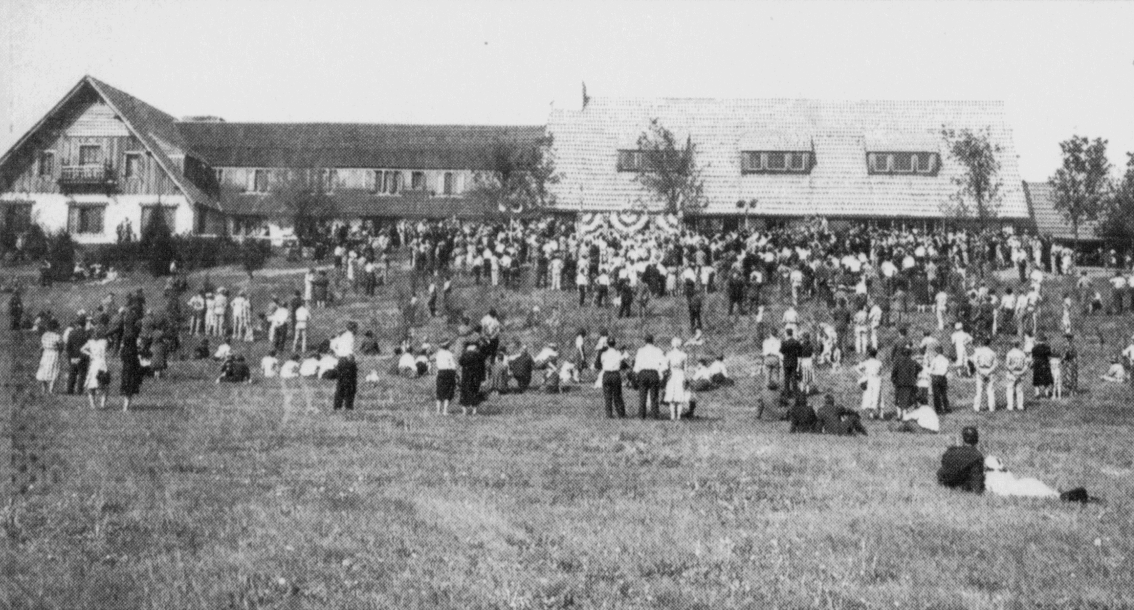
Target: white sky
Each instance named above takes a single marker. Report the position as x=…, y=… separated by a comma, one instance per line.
x=1062, y=68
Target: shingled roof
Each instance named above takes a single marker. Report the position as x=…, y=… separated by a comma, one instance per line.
x=1048, y=220
x=158, y=133
x=840, y=133
x=350, y=144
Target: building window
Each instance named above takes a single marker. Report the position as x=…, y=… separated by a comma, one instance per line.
x=168, y=215
x=776, y=162
x=46, y=164
x=90, y=154
x=219, y=173
x=85, y=220
x=259, y=181
x=17, y=216
x=450, y=186
x=925, y=163
x=386, y=182
x=645, y=160
x=133, y=166
x=417, y=181
x=325, y=181
x=249, y=226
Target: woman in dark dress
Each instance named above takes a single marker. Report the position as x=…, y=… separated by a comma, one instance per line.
x=131, y=366
x=471, y=364
x=1041, y=367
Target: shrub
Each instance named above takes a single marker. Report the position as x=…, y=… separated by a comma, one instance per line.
x=61, y=253
x=157, y=245
x=254, y=254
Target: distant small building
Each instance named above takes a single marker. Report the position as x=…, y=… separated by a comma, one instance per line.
x=1050, y=222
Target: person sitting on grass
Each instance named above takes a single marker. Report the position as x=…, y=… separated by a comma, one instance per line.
x=521, y=367
x=235, y=370
x=718, y=373
x=290, y=369
x=369, y=344
x=224, y=350
x=1116, y=373
x=202, y=351
x=328, y=366
x=310, y=365
x=922, y=419
x=421, y=361
x=838, y=420
x=499, y=376
x=568, y=375
x=407, y=364
x=962, y=466
x=270, y=365
x=999, y=481
x=802, y=416
x=701, y=381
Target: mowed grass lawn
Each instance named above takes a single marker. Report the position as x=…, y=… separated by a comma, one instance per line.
x=212, y=497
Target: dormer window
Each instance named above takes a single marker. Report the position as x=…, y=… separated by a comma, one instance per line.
x=647, y=160
x=892, y=163
x=777, y=162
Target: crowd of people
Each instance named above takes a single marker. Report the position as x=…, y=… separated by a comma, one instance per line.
x=851, y=299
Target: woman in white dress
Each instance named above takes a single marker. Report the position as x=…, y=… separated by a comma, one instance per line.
x=48, y=371
x=871, y=382
x=98, y=372
x=676, y=395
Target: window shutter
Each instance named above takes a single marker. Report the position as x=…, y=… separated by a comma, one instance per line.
x=250, y=179
x=73, y=220
x=460, y=187
x=96, y=219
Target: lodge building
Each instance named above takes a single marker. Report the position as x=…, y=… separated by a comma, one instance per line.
x=102, y=158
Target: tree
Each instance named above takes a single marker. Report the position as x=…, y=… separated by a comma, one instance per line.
x=1080, y=186
x=978, y=194
x=254, y=254
x=668, y=170
x=302, y=196
x=1117, y=215
x=157, y=245
x=61, y=253
x=518, y=178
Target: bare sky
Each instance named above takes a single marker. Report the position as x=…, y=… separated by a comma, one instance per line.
x=1062, y=68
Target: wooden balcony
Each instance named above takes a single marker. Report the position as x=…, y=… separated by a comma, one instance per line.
x=97, y=177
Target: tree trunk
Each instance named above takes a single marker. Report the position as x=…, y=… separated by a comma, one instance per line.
x=1075, y=233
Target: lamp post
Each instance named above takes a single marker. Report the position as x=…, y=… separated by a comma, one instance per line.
x=747, y=206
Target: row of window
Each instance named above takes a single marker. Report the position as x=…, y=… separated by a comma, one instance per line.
x=797, y=162
x=91, y=155
x=381, y=181
x=83, y=219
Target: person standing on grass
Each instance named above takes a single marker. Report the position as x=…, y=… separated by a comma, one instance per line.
x=51, y=344
x=1042, y=380
x=649, y=365
x=676, y=394
x=871, y=383
x=302, y=317
x=131, y=382
x=904, y=375
x=791, y=350
x=472, y=365
x=346, y=371
x=610, y=362
x=939, y=379
x=446, y=385
x=196, y=310
x=73, y=341
x=97, y=380
x=279, y=320
x=985, y=362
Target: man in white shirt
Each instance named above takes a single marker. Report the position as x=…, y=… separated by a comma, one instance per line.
x=290, y=369
x=1015, y=367
x=649, y=365
x=346, y=375
x=302, y=315
x=1118, y=289
x=771, y=352
x=939, y=380
x=279, y=320
x=875, y=317
x=611, y=362
x=961, y=341
x=941, y=305
x=985, y=360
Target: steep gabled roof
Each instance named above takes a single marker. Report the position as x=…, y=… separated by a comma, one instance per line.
x=350, y=145
x=158, y=133
x=145, y=122
x=1049, y=221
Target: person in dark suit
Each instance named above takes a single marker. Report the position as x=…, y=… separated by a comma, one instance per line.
x=522, y=366
x=791, y=350
x=962, y=466
x=904, y=376
x=802, y=416
x=837, y=420
x=77, y=361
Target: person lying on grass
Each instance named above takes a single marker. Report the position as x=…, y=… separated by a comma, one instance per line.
x=922, y=419
x=290, y=368
x=1116, y=373
x=1001, y=482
